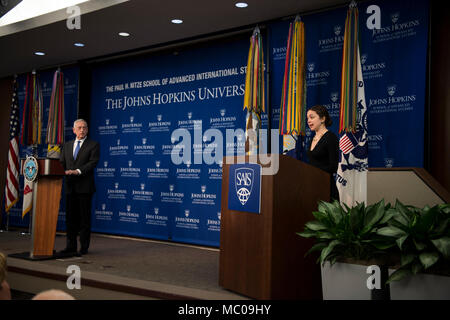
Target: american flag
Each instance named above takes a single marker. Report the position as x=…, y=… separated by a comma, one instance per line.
x=12, y=173
x=347, y=143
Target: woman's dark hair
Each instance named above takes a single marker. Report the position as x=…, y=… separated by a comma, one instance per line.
x=323, y=112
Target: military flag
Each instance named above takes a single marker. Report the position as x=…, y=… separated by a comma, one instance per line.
x=254, y=97
x=293, y=93
x=55, y=125
x=31, y=130
x=32, y=112
x=353, y=154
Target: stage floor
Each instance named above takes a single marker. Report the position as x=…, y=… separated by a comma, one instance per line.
x=121, y=268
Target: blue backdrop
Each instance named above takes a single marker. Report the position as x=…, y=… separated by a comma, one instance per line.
x=139, y=104
x=394, y=71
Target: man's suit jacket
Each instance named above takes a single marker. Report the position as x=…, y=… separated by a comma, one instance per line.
x=86, y=161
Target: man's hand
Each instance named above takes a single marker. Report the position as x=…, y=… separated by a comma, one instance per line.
x=72, y=172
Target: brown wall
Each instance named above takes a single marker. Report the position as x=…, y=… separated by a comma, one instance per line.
x=440, y=94
x=5, y=108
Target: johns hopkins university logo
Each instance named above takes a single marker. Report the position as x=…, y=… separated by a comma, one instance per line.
x=391, y=89
x=244, y=178
x=363, y=58
x=337, y=30
x=334, y=96
x=394, y=17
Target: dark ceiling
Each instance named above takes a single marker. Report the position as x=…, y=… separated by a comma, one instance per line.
x=148, y=22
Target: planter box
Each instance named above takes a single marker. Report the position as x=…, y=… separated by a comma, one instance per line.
x=421, y=287
x=345, y=281
x=348, y=281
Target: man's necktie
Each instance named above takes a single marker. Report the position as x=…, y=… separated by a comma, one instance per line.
x=76, y=150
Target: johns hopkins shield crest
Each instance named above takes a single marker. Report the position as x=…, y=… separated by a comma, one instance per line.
x=243, y=181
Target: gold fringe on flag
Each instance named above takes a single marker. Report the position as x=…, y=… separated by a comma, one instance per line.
x=349, y=103
x=55, y=125
x=293, y=94
x=254, y=97
x=32, y=112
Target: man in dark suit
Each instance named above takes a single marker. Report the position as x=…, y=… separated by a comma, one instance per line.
x=79, y=157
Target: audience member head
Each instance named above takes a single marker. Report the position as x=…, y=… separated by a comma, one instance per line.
x=5, y=291
x=53, y=294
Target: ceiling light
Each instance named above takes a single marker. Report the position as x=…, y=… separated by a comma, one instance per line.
x=177, y=21
x=124, y=34
x=39, y=53
x=78, y=44
x=27, y=9
x=241, y=5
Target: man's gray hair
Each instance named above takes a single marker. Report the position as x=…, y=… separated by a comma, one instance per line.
x=79, y=120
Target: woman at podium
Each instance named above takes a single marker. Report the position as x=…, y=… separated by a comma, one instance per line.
x=323, y=152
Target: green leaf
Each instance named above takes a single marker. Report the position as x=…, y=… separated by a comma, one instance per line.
x=325, y=235
x=356, y=217
x=407, y=259
x=391, y=231
x=416, y=267
x=444, y=208
x=443, y=245
x=427, y=219
x=307, y=234
x=322, y=207
x=315, y=225
x=428, y=259
x=401, y=240
x=419, y=245
x=399, y=274
x=321, y=216
x=333, y=260
x=316, y=247
x=387, y=216
x=375, y=213
x=328, y=250
x=334, y=211
x=382, y=245
x=441, y=227
x=402, y=213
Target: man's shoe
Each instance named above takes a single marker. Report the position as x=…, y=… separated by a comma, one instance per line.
x=67, y=252
x=83, y=251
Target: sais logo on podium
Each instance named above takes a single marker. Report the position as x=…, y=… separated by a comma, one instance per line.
x=244, y=193
x=243, y=181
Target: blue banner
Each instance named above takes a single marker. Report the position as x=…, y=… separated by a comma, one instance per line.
x=164, y=124
x=393, y=60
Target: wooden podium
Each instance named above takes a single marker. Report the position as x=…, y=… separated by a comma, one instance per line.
x=261, y=256
x=46, y=199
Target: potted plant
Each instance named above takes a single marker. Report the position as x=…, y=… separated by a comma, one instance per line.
x=409, y=240
x=422, y=237
x=348, y=237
